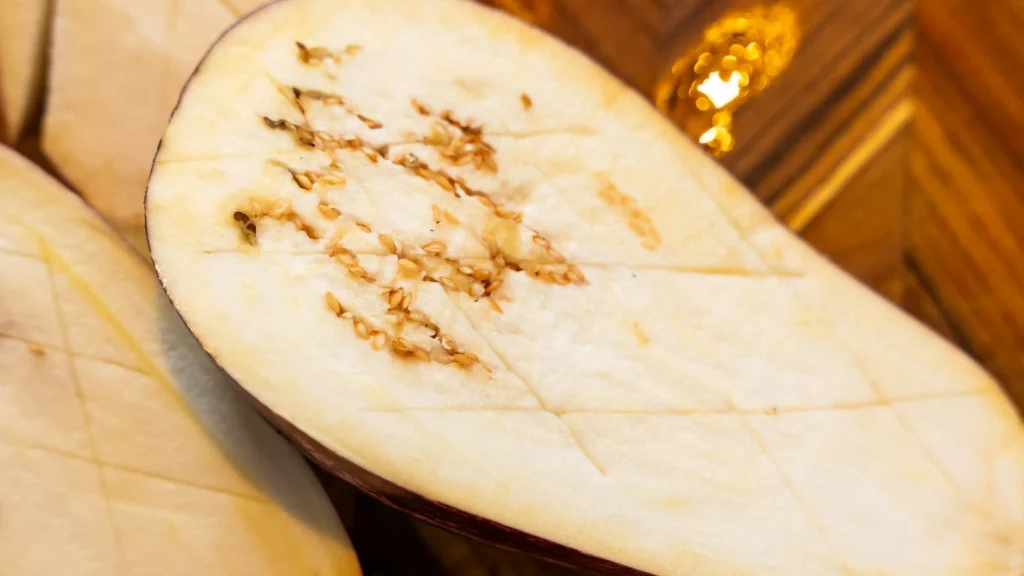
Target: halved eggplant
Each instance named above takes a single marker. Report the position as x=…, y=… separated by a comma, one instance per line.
x=123, y=448
x=470, y=271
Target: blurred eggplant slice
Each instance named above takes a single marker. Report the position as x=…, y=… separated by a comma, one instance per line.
x=123, y=448
x=467, y=269
x=23, y=25
x=116, y=70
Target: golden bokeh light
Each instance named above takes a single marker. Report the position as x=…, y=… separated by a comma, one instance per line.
x=739, y=56
x=721, y=92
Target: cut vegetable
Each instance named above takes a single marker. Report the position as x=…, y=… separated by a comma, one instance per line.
x=557, y=325
x=116, y=71
x=22, y=54
x=123, y=448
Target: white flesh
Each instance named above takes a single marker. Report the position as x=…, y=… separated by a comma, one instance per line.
x=724, y=402
x=124, y=450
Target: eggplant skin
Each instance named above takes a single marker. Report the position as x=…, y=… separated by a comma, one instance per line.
x=665, y=379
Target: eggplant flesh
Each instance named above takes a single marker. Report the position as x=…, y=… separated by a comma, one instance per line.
x=123, y=448
x=463, y=259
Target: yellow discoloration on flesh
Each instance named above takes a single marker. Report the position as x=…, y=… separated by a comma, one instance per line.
x=641, y=334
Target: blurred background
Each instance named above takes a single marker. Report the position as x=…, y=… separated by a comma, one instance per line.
x=887, y=133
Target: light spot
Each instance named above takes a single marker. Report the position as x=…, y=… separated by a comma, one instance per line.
x=720, y=91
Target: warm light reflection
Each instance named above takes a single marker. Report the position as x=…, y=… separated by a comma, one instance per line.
x=740, y=55
x=719, y=91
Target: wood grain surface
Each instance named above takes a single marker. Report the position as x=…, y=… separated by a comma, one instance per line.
x=966, y=229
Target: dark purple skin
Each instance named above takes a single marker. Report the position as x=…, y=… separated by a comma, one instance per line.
x=382, y=489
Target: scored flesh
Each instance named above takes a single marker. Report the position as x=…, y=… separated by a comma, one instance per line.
x=123, y=448
x=463, y=258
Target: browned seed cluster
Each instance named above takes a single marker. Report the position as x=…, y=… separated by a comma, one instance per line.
x=378, y=338
x=325, y=141
x=561, y=274
x=420, y=108
x=526, y=101
x=402, y=347
x=388, y=243
x=639, y=222
x=302, y=134
x=442, y=215
x=328, y=98
x=317, y=54
x=413, y=164
x=458, y=142
x=370, y=122
x=466, y=127
x=446, y=351
x=545, y=245
x=477, y=279
x=322, y=140
x=556, y=270
x=480, y=279
x=327, y=211
x=434, y=248
x=503, y=244
x=347, y=259
x=282, y=211
x=462, y=358
x=553, y=268
x=469, y=148
x=408, y=266
x=454, y=185
x=308, y=179
x=398, y=299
